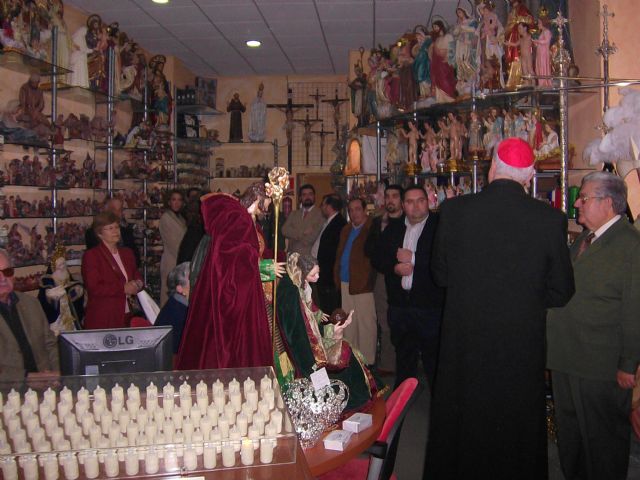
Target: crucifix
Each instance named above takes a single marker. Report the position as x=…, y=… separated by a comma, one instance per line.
x=322, y=133
x=307, y=136
x=335, y=103
x=606, y=49
x=289, y=109
x=317, y=96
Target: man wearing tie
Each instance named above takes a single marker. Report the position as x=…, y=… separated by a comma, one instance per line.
x=593, y=343
x=303, y=225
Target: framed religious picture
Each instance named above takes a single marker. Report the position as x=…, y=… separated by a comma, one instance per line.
x=206, y=91
x=354, y=156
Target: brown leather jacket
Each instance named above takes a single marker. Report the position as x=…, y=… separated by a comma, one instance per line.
x=361, y=273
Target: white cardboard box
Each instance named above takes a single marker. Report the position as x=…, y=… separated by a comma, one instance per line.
x=357, y=422
x=337, y=440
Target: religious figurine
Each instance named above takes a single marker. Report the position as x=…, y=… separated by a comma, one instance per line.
x=58, y=136
x=79, y=75
x=236, y=108
x=442, y=137
x=534, y=129
x=258, y=117
x=509, y=126
x=31, y=104
x=457, y=132
x=429, y=156
x=443, y=78
x=466, y=37
x=391, y=154
x=476, y=146
x=11, y=29
x=160, y=92
x=520, y=124
x=96, y=41
x=550, y=144
x=543, y=54
x=358, y=88
x=522, y=64
x=64, y=45
x=422, y=63
x=412, y=137
x=518, y=15
x=495, y=127
x=491, y=49
x=404, y=65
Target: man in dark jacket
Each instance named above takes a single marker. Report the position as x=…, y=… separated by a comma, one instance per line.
x=403, y=254
x=503, y=259
x=324, y=249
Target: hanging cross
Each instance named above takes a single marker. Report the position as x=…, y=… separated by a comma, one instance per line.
x=605, y=49
x=322, y=133
x=289, y=109
x=307, y=136
x=562, y=56
x=335, y=103
x=317, y=96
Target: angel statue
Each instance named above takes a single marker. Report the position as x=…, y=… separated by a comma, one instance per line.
x=61, y=297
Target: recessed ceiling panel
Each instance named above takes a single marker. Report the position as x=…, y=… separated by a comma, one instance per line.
x=231, y=13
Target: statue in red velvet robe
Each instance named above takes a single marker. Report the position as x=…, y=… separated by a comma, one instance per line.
x=519, y=13
x=227, y=324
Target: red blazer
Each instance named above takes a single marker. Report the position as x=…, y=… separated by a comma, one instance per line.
x=104, y=283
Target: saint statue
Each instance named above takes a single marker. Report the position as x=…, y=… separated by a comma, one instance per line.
x=491, y=48
x=236, y=108
x=443, y=77
x=518, y=14
x=522, y=65
x=466, y=37
x=257, y=118
x=79, y=75
x=358, y=88
x=543, y=54
x=31, y=104
x=422, y=63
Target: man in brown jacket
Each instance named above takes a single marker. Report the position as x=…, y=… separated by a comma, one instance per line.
x=356, y=277
x=28, y=346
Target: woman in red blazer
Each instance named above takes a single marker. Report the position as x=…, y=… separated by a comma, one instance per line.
x=110, y=275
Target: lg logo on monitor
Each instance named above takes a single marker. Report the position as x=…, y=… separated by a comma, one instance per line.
x=112, y=341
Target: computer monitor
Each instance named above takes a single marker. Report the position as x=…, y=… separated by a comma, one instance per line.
x=118, y=350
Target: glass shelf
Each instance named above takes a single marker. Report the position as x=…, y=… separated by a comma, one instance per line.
x=22, y=62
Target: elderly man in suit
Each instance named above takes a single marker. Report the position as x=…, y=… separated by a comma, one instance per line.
x=303, y=225
x=503, y=258
x=355, y=275
x=594, y=341
x=324, y=249
x=29, y=347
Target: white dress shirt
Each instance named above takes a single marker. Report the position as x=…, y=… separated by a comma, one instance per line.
x=410, y=242
x=599, y=232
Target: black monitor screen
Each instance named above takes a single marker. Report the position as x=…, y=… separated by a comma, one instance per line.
x=119, y=350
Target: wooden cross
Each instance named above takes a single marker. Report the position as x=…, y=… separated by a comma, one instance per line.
x=307, y=136
x=335, y=103
x=317, y=96
x=289, y=109
x=322, y=133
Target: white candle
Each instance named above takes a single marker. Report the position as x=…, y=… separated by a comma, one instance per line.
x=114, y=434
x=187, y=429
x=185, y=404
x=103, y=445
x=123, y=419
x=265, y=382
x=242, y=423
x=105, y=422
x=95, y=433
x=133, y=392
x=167, y=404
x=159, y=416
x=228, y=455
x=269, y=396
x=276, y=420
x=37, y=436
x=133, y=404
x=116, y=406
x=230, y=413
x=266, y=450
x=248, y=385
x=287, y=424
x=142, y=417
x=122, y=445
x=151, y=462
x=9, y=469
x=258, y=421
x=171, y=460
x=132, y=433
x=197, y=441
x=216, y=437
x=248, y=411
x=203, y=402
x=44, y=410
x=168, y=428
x=218, y=400
x=252, y=399
x=68, y=422
x=195, y=415
x=270, y=431
x=178, y=440
x=75, y=435
x=279, y=400
x=234, y=385
x=13, y=424
x=253, y=433
x=131, y=462
x=31, y=399
x=31, y=423
x=190, y=459
x=176, y=417
x=185, y=389
x=66, y=395
x=70, y=467
x=83, y=395
x=30, y=467
x=263, y=408
x=50, y=398
x=51, y=467
x=82, y=406
x=111, y=464
x=246, y=452
x=201, y=388
x=234, y=434
x=100, y=395
x=91, y=468
x=213, y=412
x=209, y=456
x=235, y=398
x=223, y=426
x=217, y=387
x=150, y=430
x=56, y=436
x=117, y=393
x=98, y=409
x=152, y=390
x=64, y=407
x=205, y=427
x=160, y=440
x=152, y=404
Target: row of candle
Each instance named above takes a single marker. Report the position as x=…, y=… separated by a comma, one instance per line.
x=111, y=459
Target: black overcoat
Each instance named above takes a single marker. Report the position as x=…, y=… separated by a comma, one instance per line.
x=503, y=259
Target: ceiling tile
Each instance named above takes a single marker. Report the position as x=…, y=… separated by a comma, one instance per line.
x=302, y=28
x=278, y=12
x=339, y=27
x=232, y=13
x=147, y=32
x=194, y=30
x=247, y=30
x=176, y=15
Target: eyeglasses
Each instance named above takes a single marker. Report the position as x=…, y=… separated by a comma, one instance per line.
x=584, y=198
x=7, y=272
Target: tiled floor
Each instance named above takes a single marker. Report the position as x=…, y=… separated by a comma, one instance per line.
x=410, y=459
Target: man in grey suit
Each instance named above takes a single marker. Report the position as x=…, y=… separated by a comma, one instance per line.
x=594, y=341
x=303, y=225
x=28, y=346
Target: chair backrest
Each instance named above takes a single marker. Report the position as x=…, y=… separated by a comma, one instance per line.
x=386, y=446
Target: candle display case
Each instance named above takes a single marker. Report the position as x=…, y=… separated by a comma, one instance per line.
x=143, y=425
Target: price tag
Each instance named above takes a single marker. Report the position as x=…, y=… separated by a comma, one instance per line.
x=320, y=379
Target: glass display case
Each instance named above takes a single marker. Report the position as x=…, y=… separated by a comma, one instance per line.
x=147, y=424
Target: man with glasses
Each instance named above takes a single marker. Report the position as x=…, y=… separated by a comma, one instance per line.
x=594, y=341
x=28, y=346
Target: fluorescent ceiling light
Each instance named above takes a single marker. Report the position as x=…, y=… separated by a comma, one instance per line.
x=253, y=43
x=160, y=1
